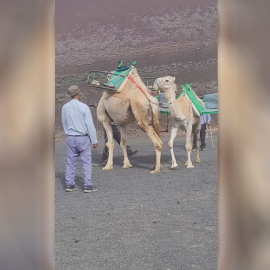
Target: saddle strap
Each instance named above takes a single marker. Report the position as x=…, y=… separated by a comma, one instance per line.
x=139, y=86
x=141, y=89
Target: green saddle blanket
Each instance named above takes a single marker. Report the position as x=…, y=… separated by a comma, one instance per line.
x=208, y=99
x=118, y=77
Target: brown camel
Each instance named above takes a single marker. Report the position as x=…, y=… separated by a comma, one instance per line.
x=134, y=102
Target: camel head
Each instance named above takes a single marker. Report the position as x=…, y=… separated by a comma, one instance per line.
x=164, y=83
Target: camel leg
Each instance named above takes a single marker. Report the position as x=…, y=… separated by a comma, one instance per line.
x=158, y=146
x=124, y=146
x=142, y=118
x=196, y=133
x=106, y=121
x=173, y=135
x=197, y=138
x=197, y=129
x=109, y=144
x=189, y=146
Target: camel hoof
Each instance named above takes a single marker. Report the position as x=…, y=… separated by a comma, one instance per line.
x=155, y=171
x=174, y=166
x=190, y=166
x=126, y=166
x=186, y=163
x=198, y=160
x=107, y=168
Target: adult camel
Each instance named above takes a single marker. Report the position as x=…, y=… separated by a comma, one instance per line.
x=182, y=113
x=133, y=103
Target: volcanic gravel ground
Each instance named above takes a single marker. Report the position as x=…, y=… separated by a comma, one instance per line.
x=136, y=220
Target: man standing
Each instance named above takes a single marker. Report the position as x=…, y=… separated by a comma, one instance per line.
x=205, y=120
x=81, y=134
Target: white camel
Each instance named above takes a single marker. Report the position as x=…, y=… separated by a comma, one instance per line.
x=182, y=113
x=134, y=102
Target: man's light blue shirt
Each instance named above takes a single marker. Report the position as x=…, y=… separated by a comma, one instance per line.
x=205, y=118
x=77, y=120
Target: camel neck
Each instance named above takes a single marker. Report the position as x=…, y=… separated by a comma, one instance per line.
x=174, y=106
x=170, y=95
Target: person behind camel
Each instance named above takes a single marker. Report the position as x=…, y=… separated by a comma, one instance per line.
x=205, y=121
x=117, y=138
x=81, y=135
x=206, y=118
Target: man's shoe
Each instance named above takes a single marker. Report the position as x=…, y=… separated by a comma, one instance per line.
x=70, y=188
x=194, y=149
x=203, y=149
x=132, y=153
x=89, y=189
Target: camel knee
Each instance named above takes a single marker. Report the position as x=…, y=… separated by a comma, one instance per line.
x=143, y=127
x=170, y=144
x=188, y=147
x=110, y=145
x=123, y=143
x=158, y=145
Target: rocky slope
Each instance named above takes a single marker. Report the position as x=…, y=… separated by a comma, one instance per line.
x=165, y=37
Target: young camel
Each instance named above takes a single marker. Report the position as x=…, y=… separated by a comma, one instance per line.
x=182, y=113
x=133, y=103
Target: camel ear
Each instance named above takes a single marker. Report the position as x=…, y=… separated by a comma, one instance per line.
x=173, y=79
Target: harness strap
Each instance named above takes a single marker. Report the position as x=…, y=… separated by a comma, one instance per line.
x=139, y=86
x=142, y=90
x=180, y=120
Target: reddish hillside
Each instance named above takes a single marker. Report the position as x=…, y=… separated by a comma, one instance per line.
x=165, y=37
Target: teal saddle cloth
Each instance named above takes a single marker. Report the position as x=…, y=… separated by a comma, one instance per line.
x=211, y=101
x=116, y=80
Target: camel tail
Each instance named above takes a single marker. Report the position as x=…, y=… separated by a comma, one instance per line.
x=155, y=117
